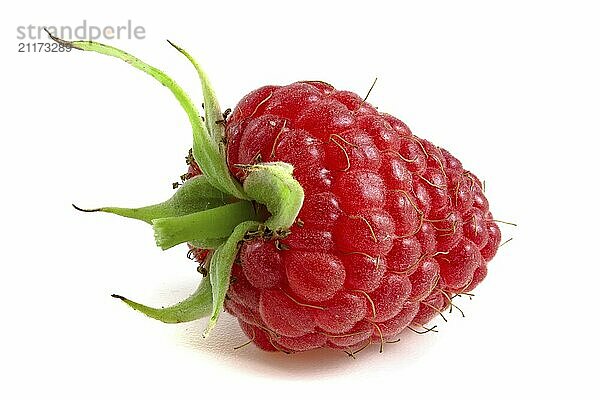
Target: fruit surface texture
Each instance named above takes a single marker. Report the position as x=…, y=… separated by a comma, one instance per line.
x=392, y=227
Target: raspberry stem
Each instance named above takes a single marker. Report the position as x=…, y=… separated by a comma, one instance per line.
x=210, y=225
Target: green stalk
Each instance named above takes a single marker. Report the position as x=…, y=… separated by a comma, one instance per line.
x=216, y=223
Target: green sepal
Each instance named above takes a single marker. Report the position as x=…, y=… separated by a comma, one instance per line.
x=215, y=123
x=216, y=223
x=207, y=243
x=197, y=306
x=207, y=152
x=212, y=109
x=273, y=185
x=196, y=194
x=209, y=217
x=220, y=269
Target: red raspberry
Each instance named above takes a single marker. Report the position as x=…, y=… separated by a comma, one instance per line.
x=360, y=255
x=320, y=221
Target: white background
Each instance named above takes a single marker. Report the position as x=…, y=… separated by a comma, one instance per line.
x=511, y=89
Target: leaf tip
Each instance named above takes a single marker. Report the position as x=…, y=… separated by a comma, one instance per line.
x=211, y=324
x=62, y=42
x=85, y=209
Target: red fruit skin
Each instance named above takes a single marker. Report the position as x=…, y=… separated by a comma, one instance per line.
x=391, y=227
x=262, y=264
x=314, y=276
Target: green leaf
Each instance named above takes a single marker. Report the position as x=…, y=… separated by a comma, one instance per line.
x=216, y=223
x=206, y=150
x=220, y=269
x=197, y=306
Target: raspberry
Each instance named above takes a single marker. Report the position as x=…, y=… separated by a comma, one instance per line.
x=320, y=221
x=409, y=225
